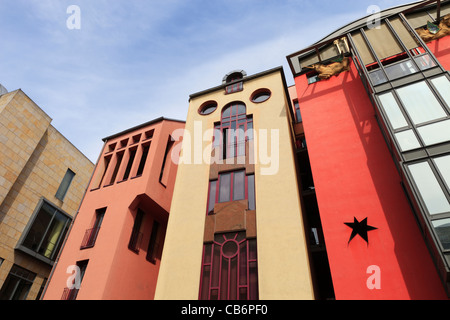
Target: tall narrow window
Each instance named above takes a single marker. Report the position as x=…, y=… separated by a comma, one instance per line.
x=119, y=158
x=235, y=129
x=154, y=243
x=251, y=192
x=229, y=268
x=91, y=234
x=167, y=164
x=298, y=115
x=145, y=149
x=103, y=169
x=136, y=235
x=71, y=293
x=65, y=183
x=132, y=155
x=212, y=196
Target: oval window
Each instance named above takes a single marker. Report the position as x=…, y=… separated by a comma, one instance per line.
x=261, y=95
x=207, y=108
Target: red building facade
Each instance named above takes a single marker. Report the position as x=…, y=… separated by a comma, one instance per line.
x=114, y=247
x=370, y=171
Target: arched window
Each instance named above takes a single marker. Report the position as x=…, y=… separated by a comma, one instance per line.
x=233, y=78
x=234, y=129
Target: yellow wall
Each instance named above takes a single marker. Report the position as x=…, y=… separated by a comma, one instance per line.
x=283, y=267
x=34, y=158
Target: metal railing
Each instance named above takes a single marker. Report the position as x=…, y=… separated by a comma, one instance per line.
x=89, y=238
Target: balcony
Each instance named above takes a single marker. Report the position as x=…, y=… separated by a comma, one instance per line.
x=69, y=294
x=89, y=238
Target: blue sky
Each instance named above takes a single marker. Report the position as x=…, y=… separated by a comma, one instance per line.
x=134, y=60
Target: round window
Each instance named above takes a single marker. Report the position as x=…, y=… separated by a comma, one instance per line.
x=230, y=248
x=207, y=108
x=261, y=95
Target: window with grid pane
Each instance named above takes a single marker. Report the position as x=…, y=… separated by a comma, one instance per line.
x=229, y=268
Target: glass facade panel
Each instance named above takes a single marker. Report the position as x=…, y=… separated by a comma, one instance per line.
x=443, y=165
x=429, y=188
x=443, y=87
x=400, y=69
x=224, y=188
x=425, y=62
x=442, y=229
x=420, y=103
x=392, y=110
x=435, y=132
x=239, y=186
x=377, y=77
x=407, y=140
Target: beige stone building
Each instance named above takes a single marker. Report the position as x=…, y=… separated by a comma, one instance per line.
x=42, y=181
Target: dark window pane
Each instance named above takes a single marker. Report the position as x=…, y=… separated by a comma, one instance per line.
x=225, y=186
x=52, y=235
x=143, y=160
x=212, y=195
x=65, y=183
x=239, y=186
x=37, y=230
x=251, y=191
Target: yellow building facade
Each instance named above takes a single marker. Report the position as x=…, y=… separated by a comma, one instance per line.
x=42, y=181
x=235, y=229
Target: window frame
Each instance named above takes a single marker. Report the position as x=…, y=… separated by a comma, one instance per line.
x=20, y=246
x=216, y=182
x=217, y=266
x=65, y=184
x=430, y=217
x=230, y=139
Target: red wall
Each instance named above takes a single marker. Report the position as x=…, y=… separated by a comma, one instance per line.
x=114, y=271
x=355, y=176
x=441, y=49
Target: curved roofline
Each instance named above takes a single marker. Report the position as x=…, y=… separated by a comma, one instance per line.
x=356, y=24
x=363, y=20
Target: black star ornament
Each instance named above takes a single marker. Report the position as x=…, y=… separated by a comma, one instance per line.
x=360, y=228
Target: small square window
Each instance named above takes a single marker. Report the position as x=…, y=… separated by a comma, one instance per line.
x=123, y=143
x=136, y=138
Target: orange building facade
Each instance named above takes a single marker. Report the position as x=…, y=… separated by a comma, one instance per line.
x=114, y=247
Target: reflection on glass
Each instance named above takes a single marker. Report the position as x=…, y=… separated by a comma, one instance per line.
x=377, y=77
x=420, y=102
x=443, y=165
x=429, y=188
x=407, y=140
x=401, y=69
x=435, y=132
x=442, y=228
x=443, y=87
x=425, y=62
x=392, y=110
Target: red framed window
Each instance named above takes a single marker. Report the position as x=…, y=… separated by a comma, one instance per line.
x=231, y=186
x=229, y=268
x=234, y=129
